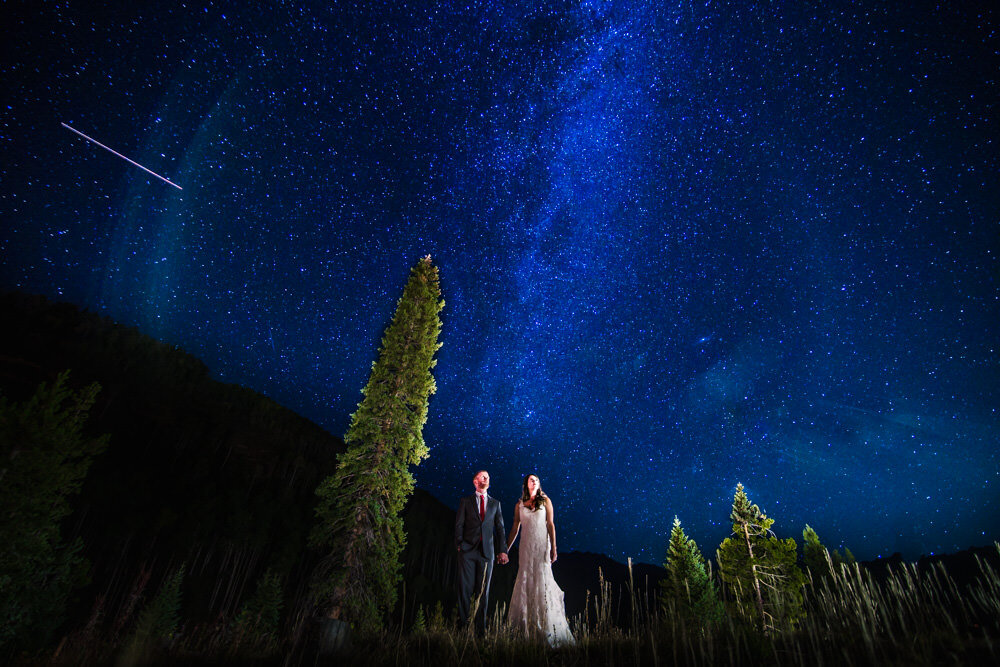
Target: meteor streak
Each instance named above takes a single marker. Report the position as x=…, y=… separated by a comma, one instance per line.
x=148, y=171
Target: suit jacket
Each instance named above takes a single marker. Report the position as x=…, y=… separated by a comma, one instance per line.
x=472, y=533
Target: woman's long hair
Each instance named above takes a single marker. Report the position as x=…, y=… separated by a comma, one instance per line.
x=526, y=497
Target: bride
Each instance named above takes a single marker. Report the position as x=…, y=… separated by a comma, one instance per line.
x=536, y=606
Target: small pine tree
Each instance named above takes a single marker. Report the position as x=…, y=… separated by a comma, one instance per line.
x=846, y=559
x=44, y=458
x=420, y=622
x=259, y=619
x=437, y=618
x=688, y=588
x=159, y=619
x=759, y=569
x=814, y=554
x=358, y=512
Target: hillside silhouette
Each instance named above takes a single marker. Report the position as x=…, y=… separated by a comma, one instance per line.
x=214, y=476
x=222, y=479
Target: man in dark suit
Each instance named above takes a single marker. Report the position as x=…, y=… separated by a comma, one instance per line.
x=479, y=535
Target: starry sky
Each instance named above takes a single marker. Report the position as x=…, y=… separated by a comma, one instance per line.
x=682, y=245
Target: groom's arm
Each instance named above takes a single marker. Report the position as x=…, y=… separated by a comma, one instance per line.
x=498, y=531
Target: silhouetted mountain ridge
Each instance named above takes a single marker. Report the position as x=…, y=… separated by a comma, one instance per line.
x=222, y=478
x=197, y=471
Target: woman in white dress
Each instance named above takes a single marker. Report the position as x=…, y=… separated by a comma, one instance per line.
x=536, y=606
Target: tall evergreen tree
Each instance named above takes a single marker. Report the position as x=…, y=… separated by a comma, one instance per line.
x=688, y=587
x=44, y=457
x=359, y=506
x=759, y=569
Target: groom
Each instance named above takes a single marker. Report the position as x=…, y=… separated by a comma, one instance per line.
x=479, y=534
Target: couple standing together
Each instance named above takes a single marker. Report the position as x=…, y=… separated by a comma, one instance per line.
x=536, y=606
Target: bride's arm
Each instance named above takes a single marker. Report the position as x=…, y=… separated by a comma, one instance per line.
x=550, y=525
x=516, y=526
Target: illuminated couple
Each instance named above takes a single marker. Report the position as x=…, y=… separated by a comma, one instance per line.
x=537, y=608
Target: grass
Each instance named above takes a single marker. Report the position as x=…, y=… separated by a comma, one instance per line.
x=906, y=617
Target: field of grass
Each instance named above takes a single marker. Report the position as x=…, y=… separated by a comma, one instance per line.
x=905, y=616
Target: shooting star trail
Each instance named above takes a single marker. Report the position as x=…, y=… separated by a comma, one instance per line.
x=148, y=171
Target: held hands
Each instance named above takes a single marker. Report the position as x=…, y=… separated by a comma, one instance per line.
x=502, y=558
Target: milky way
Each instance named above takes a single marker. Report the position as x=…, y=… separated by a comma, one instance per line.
x=681, y=246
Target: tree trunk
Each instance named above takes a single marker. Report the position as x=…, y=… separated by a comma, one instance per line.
x=334, y=636
x=756, y=581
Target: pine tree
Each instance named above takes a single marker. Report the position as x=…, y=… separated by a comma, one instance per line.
x=846, y=559
x=814, y=554
x=158, y=621
x=419, y=622
x=688, y=587
x=358, y=512
x=436, y=624
x=44, y=458
x=759, y=569
x=258, y=620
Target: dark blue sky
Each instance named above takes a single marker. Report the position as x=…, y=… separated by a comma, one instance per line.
x=681, y=245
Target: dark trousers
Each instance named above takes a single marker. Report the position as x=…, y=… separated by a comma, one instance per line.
x=474, y=574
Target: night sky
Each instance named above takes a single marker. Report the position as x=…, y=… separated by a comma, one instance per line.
x=682, y=245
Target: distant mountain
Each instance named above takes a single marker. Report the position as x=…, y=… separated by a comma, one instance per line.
x=216, y=476
x=222, y=478
x=199, y=472
x=962, y=566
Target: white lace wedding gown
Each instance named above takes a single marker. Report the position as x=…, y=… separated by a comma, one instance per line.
x=536, y=606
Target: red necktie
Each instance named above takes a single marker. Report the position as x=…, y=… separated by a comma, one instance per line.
x=482, y=508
